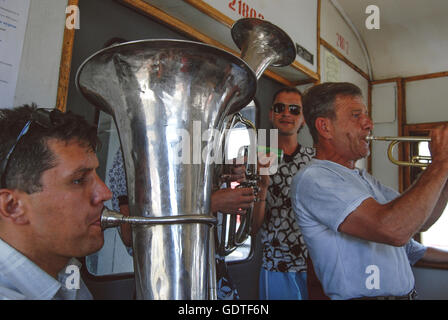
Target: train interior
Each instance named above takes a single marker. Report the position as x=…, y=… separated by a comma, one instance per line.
x=394, y=51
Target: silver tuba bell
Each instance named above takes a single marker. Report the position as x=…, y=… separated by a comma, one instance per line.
x=162, y=95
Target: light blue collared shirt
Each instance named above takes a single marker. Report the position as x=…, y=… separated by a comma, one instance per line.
x=323, y=194
x=21, y=279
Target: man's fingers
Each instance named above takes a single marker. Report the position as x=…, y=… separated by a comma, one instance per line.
x=233, y=177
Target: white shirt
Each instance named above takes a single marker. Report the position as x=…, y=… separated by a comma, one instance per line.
x=21, y=279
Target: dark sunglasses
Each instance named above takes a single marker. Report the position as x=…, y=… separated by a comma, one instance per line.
x=45, y=118
x=293, y=108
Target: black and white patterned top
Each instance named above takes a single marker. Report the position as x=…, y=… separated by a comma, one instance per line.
x=117, y=180
x=284, y=249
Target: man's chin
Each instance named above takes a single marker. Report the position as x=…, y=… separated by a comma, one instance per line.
x=96, y=243
x=363, y=155
x=286, y=133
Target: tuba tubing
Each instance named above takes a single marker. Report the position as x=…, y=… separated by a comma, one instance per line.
x=262, y=44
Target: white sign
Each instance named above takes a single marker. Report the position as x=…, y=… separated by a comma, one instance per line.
x=332, y=68
x=13, y=20
x=298, y=18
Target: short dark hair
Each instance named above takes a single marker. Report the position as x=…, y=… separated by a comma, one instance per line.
x=286, y=90
x=318, y=101
x=32, y=156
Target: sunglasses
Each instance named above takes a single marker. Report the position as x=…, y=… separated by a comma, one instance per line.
x=293, y=108
x=45, y=118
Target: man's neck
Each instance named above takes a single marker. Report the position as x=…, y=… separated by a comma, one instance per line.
x=331, y=155
x=288, y=143
x=50, y=264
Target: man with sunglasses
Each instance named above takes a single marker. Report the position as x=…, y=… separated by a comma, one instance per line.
x=283, y=273
x=50, y=203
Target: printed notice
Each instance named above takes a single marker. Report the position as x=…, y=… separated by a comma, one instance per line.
x=332, y=67
x=13, y=20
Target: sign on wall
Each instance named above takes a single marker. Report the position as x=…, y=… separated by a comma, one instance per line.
x=298, y=18
x=13, y=21
x=332, y=67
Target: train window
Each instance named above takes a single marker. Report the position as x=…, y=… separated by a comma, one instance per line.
x=436, y=235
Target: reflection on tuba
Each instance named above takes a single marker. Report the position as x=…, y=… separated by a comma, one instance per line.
x=262, y=45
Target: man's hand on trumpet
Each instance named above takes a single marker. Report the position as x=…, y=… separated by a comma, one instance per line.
x=439, y=145
x=233, y=200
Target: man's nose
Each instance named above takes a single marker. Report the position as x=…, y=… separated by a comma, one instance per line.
x=286, y=110
x=102, y=192
x=368, y=123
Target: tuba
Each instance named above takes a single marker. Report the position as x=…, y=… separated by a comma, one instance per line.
x=262, y=44
x=164, y=95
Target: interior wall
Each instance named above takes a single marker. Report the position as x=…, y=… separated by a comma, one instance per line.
x=426, y=100
x=39, y=67
x=305, y=137
x=332, y=24
x=384, y=116
x=411, y=39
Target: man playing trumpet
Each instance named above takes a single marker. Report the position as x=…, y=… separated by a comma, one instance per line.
x=358, y=231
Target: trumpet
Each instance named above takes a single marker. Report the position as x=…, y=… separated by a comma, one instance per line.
x=415, y=160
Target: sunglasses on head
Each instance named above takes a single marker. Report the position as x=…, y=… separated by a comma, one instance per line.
x=293, y=108
x=45, y=118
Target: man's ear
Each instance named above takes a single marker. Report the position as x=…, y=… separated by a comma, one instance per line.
x=324, y=127
x=12, y=207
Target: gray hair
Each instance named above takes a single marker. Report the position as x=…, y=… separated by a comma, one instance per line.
x=318, y=101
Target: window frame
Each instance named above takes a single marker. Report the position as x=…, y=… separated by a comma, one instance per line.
x=410, y=174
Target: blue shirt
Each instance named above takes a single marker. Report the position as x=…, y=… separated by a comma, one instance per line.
x=21, y=279
x=323, y=194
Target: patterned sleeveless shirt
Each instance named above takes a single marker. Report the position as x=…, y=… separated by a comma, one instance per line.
x=284, y=249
